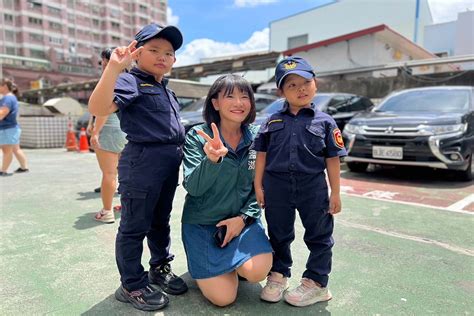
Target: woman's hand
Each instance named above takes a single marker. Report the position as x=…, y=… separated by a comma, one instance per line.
x=214, y=148
x=335, y=204
x=234, y=228
x=95, y=141
x=123, y=56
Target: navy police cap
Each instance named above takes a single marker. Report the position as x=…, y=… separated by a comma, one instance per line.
x=293, y=65
x=170, y=33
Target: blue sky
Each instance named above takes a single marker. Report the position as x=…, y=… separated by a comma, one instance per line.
x=221, y=27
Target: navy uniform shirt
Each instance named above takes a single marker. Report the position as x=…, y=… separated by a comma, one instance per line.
x=148, y=111
x=299, y=143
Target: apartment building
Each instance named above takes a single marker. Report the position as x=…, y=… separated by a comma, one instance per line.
x=60, y=40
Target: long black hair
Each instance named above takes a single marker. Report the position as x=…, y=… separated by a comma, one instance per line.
x=228, y=83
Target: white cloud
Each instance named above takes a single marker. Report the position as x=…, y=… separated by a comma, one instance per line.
x=172, y=19
x=205, y=48
x=445, y=11
x=252, y=3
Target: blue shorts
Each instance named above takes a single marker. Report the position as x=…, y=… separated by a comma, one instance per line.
x=112, y=139
x=206, y=260
x=10, y=136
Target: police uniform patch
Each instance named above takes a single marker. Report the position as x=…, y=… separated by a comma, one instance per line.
x=337, y=137
x=290, y=65
x=146, y=85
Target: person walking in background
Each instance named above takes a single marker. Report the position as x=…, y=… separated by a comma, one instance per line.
x=294, y=148
x=149, y=165
x=222, y=233
x=9, y=129
x=108, y=141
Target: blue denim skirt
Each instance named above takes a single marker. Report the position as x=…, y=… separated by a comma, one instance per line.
x=10, y=136
x=207, y=260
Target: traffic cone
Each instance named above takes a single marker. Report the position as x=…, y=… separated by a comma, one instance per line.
x=71, y=142
x=83, y=143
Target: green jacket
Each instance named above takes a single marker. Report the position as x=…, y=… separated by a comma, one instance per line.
x=217, y=191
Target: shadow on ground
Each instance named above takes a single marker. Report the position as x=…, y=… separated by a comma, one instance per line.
x=193, y=303
x=86, y=221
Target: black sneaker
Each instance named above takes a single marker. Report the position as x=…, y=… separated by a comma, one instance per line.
x=5, y=174
x=167, y=280
x=97, y=190
x=21, y=170
x=145, y=299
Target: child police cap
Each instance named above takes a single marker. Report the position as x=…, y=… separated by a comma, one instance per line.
x=293, y=65
x=170, y=33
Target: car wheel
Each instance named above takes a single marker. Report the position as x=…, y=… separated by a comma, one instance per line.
x=466, y=175
x=357, y=166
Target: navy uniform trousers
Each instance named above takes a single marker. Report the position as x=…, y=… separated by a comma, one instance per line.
x=148, y=176
x=308, y=193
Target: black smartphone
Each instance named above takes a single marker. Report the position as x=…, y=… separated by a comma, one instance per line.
x=219, y=235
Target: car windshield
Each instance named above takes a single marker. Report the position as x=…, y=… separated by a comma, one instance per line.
x=441, y=100
x=195, y=106
x=319, y=101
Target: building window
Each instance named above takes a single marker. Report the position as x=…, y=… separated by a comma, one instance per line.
x=36, y=37
x=71, y=31
x=56, y=40
x=36, y=53
x=10, y=35
x=115, y=38
x=54, y=11
x=297, y=41
x=55, y=25
x=36, y=21
x=35, y=5
x=115, y=24
x=8, y=17
x=10, y=50
x=95, y=22
x=142, y=8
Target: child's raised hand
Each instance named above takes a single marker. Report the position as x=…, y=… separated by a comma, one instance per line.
x=335, y=204
x=124, y=55
x=214, y=148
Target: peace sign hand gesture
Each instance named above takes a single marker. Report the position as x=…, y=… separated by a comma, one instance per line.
x=122, y=56
x=214, y=148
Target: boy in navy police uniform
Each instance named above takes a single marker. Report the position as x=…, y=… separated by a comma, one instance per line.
x=149, y=165
x=294, y=147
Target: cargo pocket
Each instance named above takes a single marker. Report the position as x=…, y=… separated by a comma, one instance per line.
x=133, y=201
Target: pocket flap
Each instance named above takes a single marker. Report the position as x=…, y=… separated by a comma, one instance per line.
x=132, y=193
x=149, y=90
x=275, y=126
x=315, y=130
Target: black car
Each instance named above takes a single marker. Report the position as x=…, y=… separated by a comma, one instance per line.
x=192, y=114
x=426, y=127
x=341, y=106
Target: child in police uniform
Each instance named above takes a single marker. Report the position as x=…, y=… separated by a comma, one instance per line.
x=294, y=147
x=149, y=165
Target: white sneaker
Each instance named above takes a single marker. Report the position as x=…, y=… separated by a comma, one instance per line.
x=105, y=216
x=307, y=293
x=275, y=287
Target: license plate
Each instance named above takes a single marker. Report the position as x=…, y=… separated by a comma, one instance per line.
x=386, y=152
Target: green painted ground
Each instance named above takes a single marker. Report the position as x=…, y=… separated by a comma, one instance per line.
x=389, y=259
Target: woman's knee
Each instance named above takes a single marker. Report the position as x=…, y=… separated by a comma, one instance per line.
x=257, y=268
x=221, y=299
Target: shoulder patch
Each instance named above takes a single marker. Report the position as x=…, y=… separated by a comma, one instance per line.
x=337, y=137
x=146, y=85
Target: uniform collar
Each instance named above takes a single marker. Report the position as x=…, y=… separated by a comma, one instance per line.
x=146, y=76
x=286, y=106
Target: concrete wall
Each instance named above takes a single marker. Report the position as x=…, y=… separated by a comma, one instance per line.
x=348, y=16
x=440, y=38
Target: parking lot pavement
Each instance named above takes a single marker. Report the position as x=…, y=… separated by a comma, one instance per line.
x=389, y=259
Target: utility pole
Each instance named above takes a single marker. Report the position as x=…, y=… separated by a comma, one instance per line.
x=417, y=18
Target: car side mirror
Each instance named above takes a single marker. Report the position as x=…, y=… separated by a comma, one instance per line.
x=332, y=110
